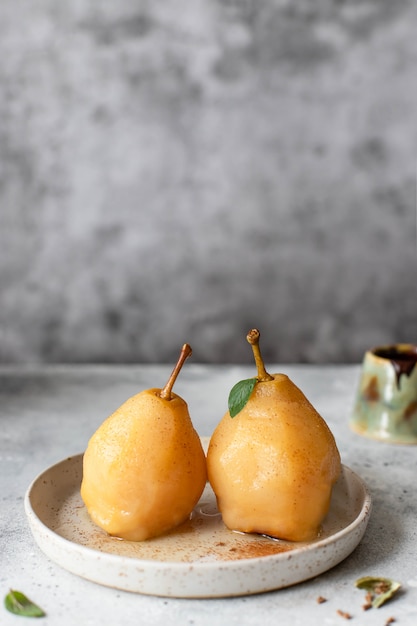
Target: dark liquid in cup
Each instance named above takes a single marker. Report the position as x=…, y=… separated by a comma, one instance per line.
x=403, y=359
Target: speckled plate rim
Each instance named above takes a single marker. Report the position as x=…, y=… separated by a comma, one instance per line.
x=213, y=579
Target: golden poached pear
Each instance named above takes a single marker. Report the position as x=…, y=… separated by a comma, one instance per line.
x=272, y=467
x=144, y=468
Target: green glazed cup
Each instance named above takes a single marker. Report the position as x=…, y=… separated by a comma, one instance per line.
x=386, y=401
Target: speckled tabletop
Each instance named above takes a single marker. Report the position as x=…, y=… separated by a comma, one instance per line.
x=48, y=413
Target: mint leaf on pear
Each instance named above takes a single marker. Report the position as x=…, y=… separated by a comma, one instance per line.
x=239, y=395
x=16, y=602
x=382, y=589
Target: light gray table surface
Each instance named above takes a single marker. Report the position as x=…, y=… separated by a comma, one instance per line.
x=48, y=413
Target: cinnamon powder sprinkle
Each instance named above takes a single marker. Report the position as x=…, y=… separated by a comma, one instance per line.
x=320, y=600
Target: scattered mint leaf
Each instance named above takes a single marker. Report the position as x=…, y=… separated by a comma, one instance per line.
x=382, y=589
x=16, y=602
x=239, y=395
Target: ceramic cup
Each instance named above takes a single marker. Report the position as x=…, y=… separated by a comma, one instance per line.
x=386, y=400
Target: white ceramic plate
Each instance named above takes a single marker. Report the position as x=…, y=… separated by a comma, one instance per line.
x=202, y=558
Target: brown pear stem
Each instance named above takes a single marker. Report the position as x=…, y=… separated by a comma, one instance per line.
x=253, y=338
x=166, y=392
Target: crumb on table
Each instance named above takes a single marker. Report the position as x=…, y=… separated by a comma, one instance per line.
x=344, y=614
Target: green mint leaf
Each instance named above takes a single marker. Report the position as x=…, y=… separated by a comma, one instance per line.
x=16, y=602
x=382, y=589
x=239, y=395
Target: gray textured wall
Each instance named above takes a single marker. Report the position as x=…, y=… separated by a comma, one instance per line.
x=180, y=170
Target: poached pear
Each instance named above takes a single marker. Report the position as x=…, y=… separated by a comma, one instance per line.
x=273, y=465
x=144, y=468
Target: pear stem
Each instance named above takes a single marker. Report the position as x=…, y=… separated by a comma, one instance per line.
x=166, y=392
x=253, y=338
